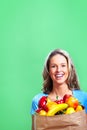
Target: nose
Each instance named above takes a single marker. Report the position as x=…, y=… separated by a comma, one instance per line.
x=58, y=68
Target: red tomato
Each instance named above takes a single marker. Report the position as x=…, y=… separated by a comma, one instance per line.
x=59, y=101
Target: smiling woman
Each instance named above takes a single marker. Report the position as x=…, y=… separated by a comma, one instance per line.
x=58, y=69
x=59, y=78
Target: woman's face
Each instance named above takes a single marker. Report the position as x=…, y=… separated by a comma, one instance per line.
x=58, y=69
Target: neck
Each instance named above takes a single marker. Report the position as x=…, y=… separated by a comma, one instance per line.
x=60, y=91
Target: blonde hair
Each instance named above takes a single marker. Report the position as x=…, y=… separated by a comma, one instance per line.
x=72, y=80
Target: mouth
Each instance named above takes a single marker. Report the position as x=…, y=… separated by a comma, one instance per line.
x=59, y=75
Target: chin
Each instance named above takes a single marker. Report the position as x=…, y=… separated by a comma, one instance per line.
x=60, y=82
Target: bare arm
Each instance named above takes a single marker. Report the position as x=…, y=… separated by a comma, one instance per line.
x=86, y=117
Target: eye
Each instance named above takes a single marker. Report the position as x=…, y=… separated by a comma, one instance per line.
x=53, y=66
x=63, y=65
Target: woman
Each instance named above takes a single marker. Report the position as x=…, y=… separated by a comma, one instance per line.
x=59, y=78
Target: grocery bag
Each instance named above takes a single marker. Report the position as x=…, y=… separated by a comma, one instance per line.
x=74, y=121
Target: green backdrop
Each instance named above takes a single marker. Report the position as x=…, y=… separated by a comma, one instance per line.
x=29, y=29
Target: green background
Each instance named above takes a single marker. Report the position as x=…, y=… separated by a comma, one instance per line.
x=29, y=29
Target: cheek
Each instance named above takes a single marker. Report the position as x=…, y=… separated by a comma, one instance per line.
x=51, y=74
x=67, y=73
x=51, y=71
x=67, y=70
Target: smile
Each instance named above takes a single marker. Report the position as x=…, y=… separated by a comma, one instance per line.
x=59, y=75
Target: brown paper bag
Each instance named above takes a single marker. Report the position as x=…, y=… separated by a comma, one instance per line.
x=74, y=121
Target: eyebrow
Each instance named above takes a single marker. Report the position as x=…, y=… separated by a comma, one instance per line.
x=55, y=63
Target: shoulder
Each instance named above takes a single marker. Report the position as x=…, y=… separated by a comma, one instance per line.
x=79, y=93
x=38, y=96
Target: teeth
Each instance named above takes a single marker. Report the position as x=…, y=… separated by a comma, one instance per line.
x=59, y=75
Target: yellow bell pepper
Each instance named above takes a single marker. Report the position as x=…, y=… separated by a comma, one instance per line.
x=50, y=104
